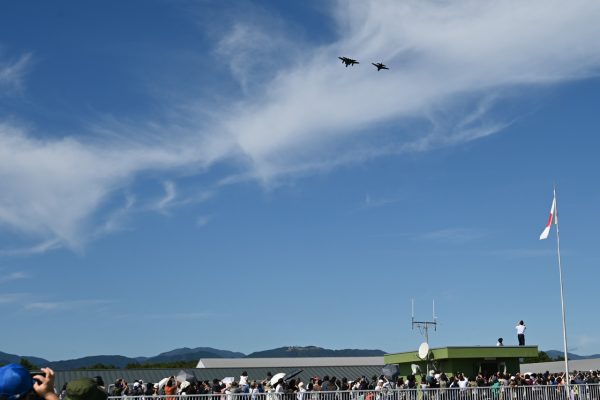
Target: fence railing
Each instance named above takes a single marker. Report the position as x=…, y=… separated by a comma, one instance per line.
x=535, y=392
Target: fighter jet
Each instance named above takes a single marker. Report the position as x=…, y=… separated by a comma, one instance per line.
x=348, y=61
x=380, y=66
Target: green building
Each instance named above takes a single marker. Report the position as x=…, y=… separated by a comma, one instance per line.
x=468, y=360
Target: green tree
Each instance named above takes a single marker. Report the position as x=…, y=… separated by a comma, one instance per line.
x=28, y=364
x=98, y=366
x=542, y=357
x=172, y=364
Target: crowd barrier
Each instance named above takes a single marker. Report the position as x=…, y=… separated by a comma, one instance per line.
x=535, y=392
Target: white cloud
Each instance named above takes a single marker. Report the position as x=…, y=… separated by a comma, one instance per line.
x=203, y=220
x=51, y=188
x=13, y=276
x=376, y=202
x=450, y=62
x=445, y=58
x=169, y=197
x=454, y=235
x=37, y=248
x=12, y=73
x=10, y=298
x=63, y=305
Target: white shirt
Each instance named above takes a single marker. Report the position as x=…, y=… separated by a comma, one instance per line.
x=520, y=329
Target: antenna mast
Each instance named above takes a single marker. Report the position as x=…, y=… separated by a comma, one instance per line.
x=423, y=325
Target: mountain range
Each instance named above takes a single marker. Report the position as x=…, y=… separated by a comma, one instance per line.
x=187, y=354
x=557, y=353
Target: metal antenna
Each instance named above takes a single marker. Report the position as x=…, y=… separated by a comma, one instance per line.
x=423, y=326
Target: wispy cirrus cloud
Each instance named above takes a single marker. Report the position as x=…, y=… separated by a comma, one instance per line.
x=10, y=298
x=36, y=248
x=450, y=64
x=376, y=202
x=174, y=316
x=12, y=73
x=170, y=194
x=13, y=276
x=32, y=302
x=64, y=305
x=454, y=235
x=203, y=220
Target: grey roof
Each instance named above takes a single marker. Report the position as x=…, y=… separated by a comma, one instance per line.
x=289, y=362
x=154, y=375
x=559, y=366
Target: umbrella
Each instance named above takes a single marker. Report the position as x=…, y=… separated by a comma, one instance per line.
x=276, y=378
x=391, y=371
x=163, y=382
x=183, y=376
x=293, y=374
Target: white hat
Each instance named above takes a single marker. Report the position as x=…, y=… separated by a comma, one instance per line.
x=185, y=385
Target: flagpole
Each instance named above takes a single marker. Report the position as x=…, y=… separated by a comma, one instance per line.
x=562, y=299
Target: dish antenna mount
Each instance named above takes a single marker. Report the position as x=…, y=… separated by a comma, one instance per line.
x=424, y=325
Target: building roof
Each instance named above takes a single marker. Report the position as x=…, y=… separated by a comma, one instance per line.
x=155, y=375
x=289, y=362
x=559, y=366
x=455, y=352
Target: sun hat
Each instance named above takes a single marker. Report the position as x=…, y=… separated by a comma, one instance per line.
x=15, y=381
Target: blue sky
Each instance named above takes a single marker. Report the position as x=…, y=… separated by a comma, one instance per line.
x=199, y=173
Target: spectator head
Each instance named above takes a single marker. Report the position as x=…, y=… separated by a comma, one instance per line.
x=500, y=340
x=99, y=380
x=85, y=389
x=15, y=381
x=521, y=322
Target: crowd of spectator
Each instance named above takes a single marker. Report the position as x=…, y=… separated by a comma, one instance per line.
x=17, y=383
x=367, y=388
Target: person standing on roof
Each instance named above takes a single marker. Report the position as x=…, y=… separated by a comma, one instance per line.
x=521, y=332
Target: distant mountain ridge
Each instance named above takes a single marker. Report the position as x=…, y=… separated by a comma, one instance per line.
x=182, y=354
x=185, y=351
x=188, y=354
x=557, y=353
x=194, y=354
x=6, y=358
x=313, y=351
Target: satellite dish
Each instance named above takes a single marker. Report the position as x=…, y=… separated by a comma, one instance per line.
x=415, y=368
x=423, y=351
